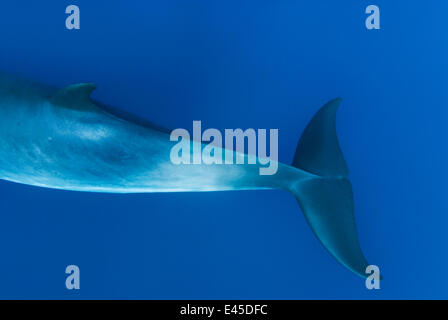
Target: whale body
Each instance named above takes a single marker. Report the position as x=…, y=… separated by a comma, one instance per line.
x=60, y=138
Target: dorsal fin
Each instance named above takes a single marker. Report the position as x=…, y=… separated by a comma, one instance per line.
x=75, y=96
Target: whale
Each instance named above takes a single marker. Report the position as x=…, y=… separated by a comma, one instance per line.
x=60, y=138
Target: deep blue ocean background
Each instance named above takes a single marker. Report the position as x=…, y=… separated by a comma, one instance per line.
x=238, y=64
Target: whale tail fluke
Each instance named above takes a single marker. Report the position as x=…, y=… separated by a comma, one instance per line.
x=327, y=199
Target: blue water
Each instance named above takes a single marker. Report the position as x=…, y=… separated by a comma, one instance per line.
x=238, y=64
